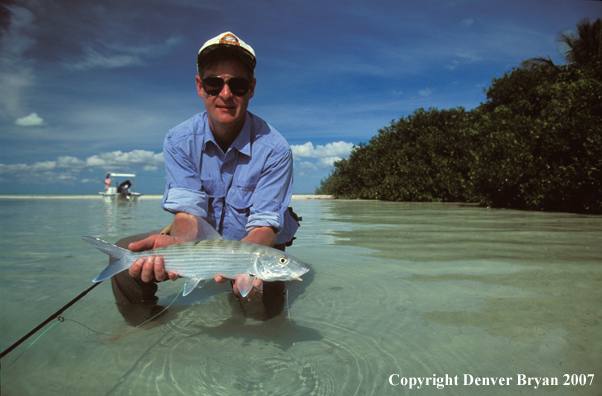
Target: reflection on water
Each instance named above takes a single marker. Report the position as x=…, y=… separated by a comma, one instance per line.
x=396, y=288
x=119, y=217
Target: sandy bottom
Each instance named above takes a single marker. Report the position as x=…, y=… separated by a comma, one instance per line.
x=398, y=292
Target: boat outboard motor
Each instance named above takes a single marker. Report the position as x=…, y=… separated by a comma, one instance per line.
x=124, y=190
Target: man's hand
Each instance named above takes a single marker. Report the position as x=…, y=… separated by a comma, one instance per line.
x=152, y=267
x=183, y=229
x=258, y=283
x=265, y=236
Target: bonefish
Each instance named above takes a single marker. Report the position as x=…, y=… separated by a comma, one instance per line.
x=204, y=259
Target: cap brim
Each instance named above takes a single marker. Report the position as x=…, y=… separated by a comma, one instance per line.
x=244, y=55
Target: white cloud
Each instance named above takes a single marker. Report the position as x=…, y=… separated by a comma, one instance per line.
x=120, y=159
x=425, y=92
x=307, y=150
x=70, y=162
x=93, y=59
x=150, y=50
x=464, y=58
x=64, y=177
x=327, y=162
x=43, y=166
x=323, y=156
x=32, y=120
x=306, y=165
x=63, y=162
x=468, y=56
x=17, y=73
x=113, y=56
x=66, y=168
x=467, y=22
x=305, y=168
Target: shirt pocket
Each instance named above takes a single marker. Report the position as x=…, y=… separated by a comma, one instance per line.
x=214, y=188
x=240, y=197
x=238, y=206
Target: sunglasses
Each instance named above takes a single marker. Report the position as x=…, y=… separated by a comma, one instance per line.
x=238, y=86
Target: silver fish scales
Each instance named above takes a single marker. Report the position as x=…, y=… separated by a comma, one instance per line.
x=205, y=259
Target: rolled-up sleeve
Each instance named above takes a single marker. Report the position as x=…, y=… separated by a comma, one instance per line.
x=248, y=186
x=273, y=192
x=183, y=191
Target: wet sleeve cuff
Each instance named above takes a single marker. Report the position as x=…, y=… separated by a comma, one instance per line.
x=187, y=201
x=265, y=219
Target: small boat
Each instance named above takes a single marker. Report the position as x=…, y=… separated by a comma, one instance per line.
x=124, y=192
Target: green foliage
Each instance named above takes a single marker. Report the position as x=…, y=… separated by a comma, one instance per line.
x=535, y=144
x=425, y=157
x=544, y=155
x=584, y=49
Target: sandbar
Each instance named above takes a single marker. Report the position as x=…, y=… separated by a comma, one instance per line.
x=50, y=196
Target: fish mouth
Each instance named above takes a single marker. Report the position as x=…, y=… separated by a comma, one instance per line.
x=304, y=270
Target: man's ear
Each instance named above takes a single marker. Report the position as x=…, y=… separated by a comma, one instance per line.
x=252, y=90
x=199, y=87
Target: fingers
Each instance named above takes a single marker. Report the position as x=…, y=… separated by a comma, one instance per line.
x=221, y=279
x=173, y=276
x=136, y=267
x=159, y=268
x=150, y=268
x=155, y=241
x=257, y=284
x=237, y=292
x=145, y=244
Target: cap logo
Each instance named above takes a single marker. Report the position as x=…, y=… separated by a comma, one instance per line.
x=229, y=39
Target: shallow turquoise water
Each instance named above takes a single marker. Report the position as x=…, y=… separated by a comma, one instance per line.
x=402, y=289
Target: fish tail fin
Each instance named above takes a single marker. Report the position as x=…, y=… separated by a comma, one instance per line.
x=122, y=259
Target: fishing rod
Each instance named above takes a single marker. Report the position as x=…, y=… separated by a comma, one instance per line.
x=52, y=317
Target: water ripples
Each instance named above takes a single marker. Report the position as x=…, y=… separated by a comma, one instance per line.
x=361, y=314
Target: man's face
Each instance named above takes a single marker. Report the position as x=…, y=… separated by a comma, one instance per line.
x=226, y=110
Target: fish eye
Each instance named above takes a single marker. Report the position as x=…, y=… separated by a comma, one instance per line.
x=282, y=260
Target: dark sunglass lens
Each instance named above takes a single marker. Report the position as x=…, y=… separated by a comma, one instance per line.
x=213, y=85
x=238, y=86
x=213, y=82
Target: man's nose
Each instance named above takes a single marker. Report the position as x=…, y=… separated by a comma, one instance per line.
x=225, y=93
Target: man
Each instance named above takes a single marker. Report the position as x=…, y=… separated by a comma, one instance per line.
x=108, y=182
x=225, y=165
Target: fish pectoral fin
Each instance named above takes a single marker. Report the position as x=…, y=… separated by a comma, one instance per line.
x=191, y=284
x=245, y=284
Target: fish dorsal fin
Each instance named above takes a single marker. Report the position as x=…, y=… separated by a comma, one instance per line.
x=205, y=230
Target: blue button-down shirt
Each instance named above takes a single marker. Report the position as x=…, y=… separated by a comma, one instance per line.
x=248, y=186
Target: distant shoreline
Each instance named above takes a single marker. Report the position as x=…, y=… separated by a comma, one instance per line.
x=99, y=197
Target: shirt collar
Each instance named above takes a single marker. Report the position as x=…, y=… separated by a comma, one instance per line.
x=242, y=143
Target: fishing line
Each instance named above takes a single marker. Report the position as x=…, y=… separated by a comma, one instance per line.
x=61, y=319
x=58, y=316
x=44, y=323
x=288, y=309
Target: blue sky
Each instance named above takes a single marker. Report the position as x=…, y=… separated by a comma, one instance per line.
x=93, y=86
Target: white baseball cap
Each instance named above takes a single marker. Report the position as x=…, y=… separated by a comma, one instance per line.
x=228, y=42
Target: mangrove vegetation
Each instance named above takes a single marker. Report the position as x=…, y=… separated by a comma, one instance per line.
x=535, y=144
